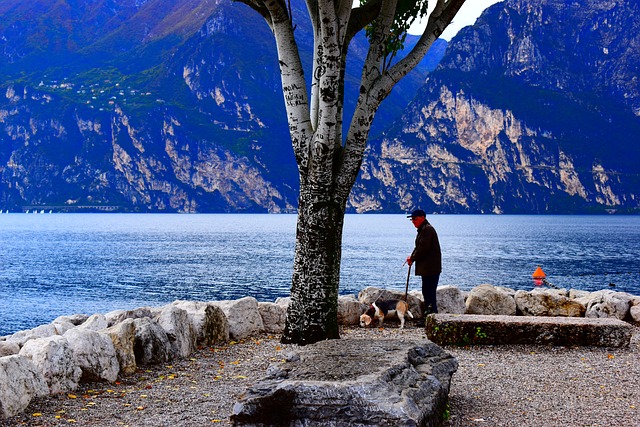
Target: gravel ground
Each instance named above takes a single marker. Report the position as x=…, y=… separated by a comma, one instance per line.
x=494, y=386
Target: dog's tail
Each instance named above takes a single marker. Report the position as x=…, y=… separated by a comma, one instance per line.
x=410, y=314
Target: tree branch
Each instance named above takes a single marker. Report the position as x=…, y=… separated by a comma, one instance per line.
x=375, y=90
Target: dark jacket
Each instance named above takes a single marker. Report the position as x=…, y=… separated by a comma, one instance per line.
x=426, y=255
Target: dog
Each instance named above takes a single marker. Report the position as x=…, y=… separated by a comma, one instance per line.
x=383, y=309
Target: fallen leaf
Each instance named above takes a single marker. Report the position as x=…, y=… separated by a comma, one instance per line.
x=140, y=408
x=72, y=396
x=37, y=414
x=611, y=356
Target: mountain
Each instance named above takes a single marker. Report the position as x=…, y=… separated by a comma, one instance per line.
x=176, y=106
x=534, y=109
x=156, y=105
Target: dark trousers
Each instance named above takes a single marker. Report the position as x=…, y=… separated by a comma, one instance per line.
x=429, y=286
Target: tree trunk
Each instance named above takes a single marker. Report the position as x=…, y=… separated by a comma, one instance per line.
x=313, y=312
x=328, y=165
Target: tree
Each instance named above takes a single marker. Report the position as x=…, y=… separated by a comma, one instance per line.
x=328, y=161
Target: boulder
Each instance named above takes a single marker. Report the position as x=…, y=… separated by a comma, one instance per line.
x=283, y=301
x=41, y=331
x=74, y=319
x=577, y=293
x=358, y=382
x=123, y=337
x=8, y=348
x=151, y=344
x=450, y=300
x=634, y=310
x=607, y=304
x=487, y=299
x=371, y=294
x=118, y=316
x=273, y=316
x=349, y=310
x=95, y=322
x=20, y=382
x=243, y=316
x=208, y=321
x=55, y=359
x=548, y=302
x=177, y=325
x=62, y=326
x=94, y=353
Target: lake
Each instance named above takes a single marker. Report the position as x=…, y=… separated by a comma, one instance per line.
x=57, y=264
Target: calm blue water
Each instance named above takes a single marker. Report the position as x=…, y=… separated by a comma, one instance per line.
x=55, y=264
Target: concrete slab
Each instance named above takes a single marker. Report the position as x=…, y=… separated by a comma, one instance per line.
x=469, y=329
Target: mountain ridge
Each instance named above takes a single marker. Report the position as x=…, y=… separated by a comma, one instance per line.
x=189, y=118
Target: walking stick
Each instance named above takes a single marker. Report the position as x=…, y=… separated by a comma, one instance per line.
x=406, y=291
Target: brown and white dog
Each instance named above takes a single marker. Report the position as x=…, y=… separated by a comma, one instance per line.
x=381, y=309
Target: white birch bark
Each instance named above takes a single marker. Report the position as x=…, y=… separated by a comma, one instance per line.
x=329, y=163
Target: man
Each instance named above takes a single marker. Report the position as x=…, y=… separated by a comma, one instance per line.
x=428, y=260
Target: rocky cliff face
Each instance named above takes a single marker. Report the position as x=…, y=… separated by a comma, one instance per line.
x=142, y=106
x=171, y=106
x=533, y=110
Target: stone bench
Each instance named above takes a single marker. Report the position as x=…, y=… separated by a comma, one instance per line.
x=468, y=329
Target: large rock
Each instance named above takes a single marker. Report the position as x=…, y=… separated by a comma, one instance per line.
x=95, y=354
x=273, y=316
x=450, y=300
x=95, y=322
x=352, y=383
x=349, y=310
x=74, y=319
x=543, y=302
x=151, y=344
x=8, y=348
x=488, y=299
x=461, y=329
x=20, y=381
x=118, y=316
x=123, y=336
x=607, y=304
x=243, y=316
x=208, y=320
x=55, y=359
x=182, y=336
x=634, y=311
x=41, y=331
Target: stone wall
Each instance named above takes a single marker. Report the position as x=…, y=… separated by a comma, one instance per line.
x=56, y=357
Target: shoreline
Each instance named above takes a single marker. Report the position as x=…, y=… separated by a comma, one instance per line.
x=494, y=386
